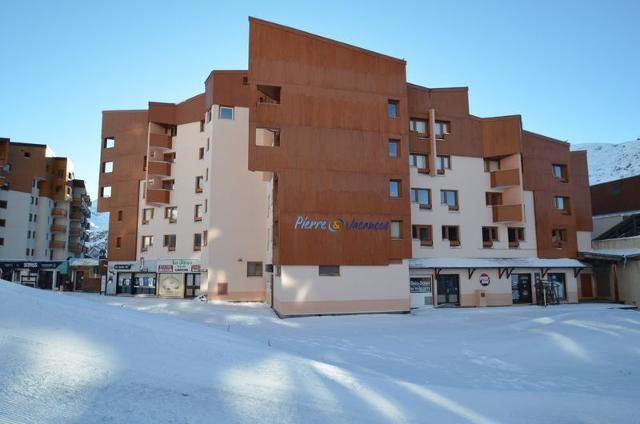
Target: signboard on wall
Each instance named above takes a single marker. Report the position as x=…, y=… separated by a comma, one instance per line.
x=420, y=285
x=178, y=265
x=485, y=280
x=171, y=285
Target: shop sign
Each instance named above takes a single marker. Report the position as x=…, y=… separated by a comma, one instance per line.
x=178, y=265
x=34, y=266
x=338, y=224
x=485, y=280
x=122, y=266
x=420, y=286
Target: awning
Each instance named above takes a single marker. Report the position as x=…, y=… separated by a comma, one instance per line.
x=505, y=266
x=611, y=254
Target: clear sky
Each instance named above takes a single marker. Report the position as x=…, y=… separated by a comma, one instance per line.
x=570, y=68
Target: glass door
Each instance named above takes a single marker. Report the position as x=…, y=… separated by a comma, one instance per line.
x=521, y=288
x=449, y=289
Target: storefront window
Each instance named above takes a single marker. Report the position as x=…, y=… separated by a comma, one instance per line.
x=557, y=280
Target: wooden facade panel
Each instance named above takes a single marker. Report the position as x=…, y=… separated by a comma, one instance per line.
x=501, y=136
x=581, y=195
x=227, y=88
x=616, y=196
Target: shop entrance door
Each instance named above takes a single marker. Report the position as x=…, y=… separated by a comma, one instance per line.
x=124, y=283
x=191, y=285
x=448, y=290
x=521, y=288
x=45, y=280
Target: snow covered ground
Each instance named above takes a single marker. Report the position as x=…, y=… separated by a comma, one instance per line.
x=69, y=357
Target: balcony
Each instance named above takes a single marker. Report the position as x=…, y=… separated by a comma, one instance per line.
x=59, y=212
x=507, y=213
x=419, y=143
x=75, y=247
x=159, y=168
x=158, y=196
x=160, y=140
x=58, y=228
x=76, y=215
x=505, y=177
x=75, y=232
x=57, y=244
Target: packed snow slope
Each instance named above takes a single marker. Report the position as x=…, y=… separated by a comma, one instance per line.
x=81, y=358
x=608, y=162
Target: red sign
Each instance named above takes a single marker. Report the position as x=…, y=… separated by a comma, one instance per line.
x=485, y=279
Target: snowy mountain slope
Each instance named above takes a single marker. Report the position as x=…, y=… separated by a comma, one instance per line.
x=138, y=360
x=98, y=232
x=609, y=162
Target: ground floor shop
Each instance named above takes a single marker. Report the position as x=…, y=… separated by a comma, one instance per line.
x=493, y=282
x=173, y=278
x=616, y=271
x=49, y=275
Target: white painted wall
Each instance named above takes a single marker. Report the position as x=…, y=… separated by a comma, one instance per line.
x=17, y=225
x=584, y=240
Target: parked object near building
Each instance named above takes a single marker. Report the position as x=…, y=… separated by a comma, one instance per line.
x=44, y=213
x=321, y=182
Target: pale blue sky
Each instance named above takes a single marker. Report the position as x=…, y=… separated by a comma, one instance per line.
x=570, y=68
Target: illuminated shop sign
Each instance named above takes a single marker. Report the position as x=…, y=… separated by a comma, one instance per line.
x=335, y=225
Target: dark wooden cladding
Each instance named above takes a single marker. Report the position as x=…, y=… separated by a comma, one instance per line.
x=539, y=155
x=190, y=110
x=616, y=196
x=581, y=195
x=332, y=162
x=228, y=88
x=130, y=130
x=501, y=136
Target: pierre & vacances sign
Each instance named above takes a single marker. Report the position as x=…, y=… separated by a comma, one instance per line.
x=304, y=222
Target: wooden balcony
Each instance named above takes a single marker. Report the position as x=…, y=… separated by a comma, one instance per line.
x=76, y=215
x=419, y=143
x=160, y=168
x=160, y=140
x=158, y=196
x=58, y=212
x=507, y=213
x=58, y=228
x=75, y=232
x=57, y=244
x=75, y=247
x=505, y=177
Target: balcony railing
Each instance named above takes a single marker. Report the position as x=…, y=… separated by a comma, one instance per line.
x=59, y=212
x=57, y=244
x=160, y=140
x=58, y=228
x=158, y=196
x=505, y=177
x=76, y=215
x=507, y=213
x=75, y=247
x=160, y=168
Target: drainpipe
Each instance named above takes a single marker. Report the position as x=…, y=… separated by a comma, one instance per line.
x=432, y=141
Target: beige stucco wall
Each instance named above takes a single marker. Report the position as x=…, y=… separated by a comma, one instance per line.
x=584, y=240
x=468, y=177
x=299, y=290
x=237, y=210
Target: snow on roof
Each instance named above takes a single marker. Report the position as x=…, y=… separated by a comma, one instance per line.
x=627, y=253
x=83, y=262
x=494, y=263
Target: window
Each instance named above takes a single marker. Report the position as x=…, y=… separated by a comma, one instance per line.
x=147, y=242
x=423, y=233
x=205, y=237
x=206, y=174
x=201, y=153
x=170, y=242
x=558, y=284
x=202, y=125
x=29, y=234
x=418, y=161
x=199, y=184
x=561, y=203
x=209, y=115
x=109, y=142
x=396, y=230
x=30, y=217
x=489, y=235
x=269, y=94
x=269, y=137
x=168, y=184
x=442, y=163
x=449, y=198
x=558, y=237
x=394, y=188
x=442, y=128
x=147, y=215
x=27, y=154
x=491, y=165
x=225, y=112
x=392, y=108
x=27, y=253
x=1, y=241
x=3, y=204
x=169, y=157
x=197, y=242
x=118, y=242
x=418, y=125
x=119, y=215
x=493, y=199
x=329, y=270
x=207, y=144
x=171, y=131
x=197, y=213
x=516, y=235
x=254, y=269
x=394, y=148
x=560, y=172
x=3, y=222
x=105, y=192
x=422, y=196
x=171, y=213
x=107, y=167
x=451, y=233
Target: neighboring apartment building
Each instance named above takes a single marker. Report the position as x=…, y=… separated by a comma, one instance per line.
x=322, y=182
x=44, y=214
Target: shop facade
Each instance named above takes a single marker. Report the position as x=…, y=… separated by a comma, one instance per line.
x=38, y=274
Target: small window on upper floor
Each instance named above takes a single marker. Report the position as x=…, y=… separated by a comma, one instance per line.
x=269, y=94
x=493, y=198
x=451, y=233
x=442, y=128
x=422, y=196
x=269, y=137
x=120, y=215
x=254, y=269
x=199, y=184
x=201, y=153
x=225, y=112
x=395, y=188
x=109, y=142
x=418, y=125
x=392, y=108
x=491, y=165
x=208, y=115
x=442, y=163
x=560, y=172
x=329, y=270
x=107, y=167
x=515, y=236
x=561, y=203
x=418, y=161
x=393, y=148
x=105, y=192
x=147, y=215
x=396, y=230
x=27, y=154
x=558, y=237
x=202, y=125
x=450, y=198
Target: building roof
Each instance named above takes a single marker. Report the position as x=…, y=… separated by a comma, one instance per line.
x=450, y=263
x=616, y=254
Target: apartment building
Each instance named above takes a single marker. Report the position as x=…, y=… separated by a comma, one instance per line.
x=322, y=182
x=44, y=213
